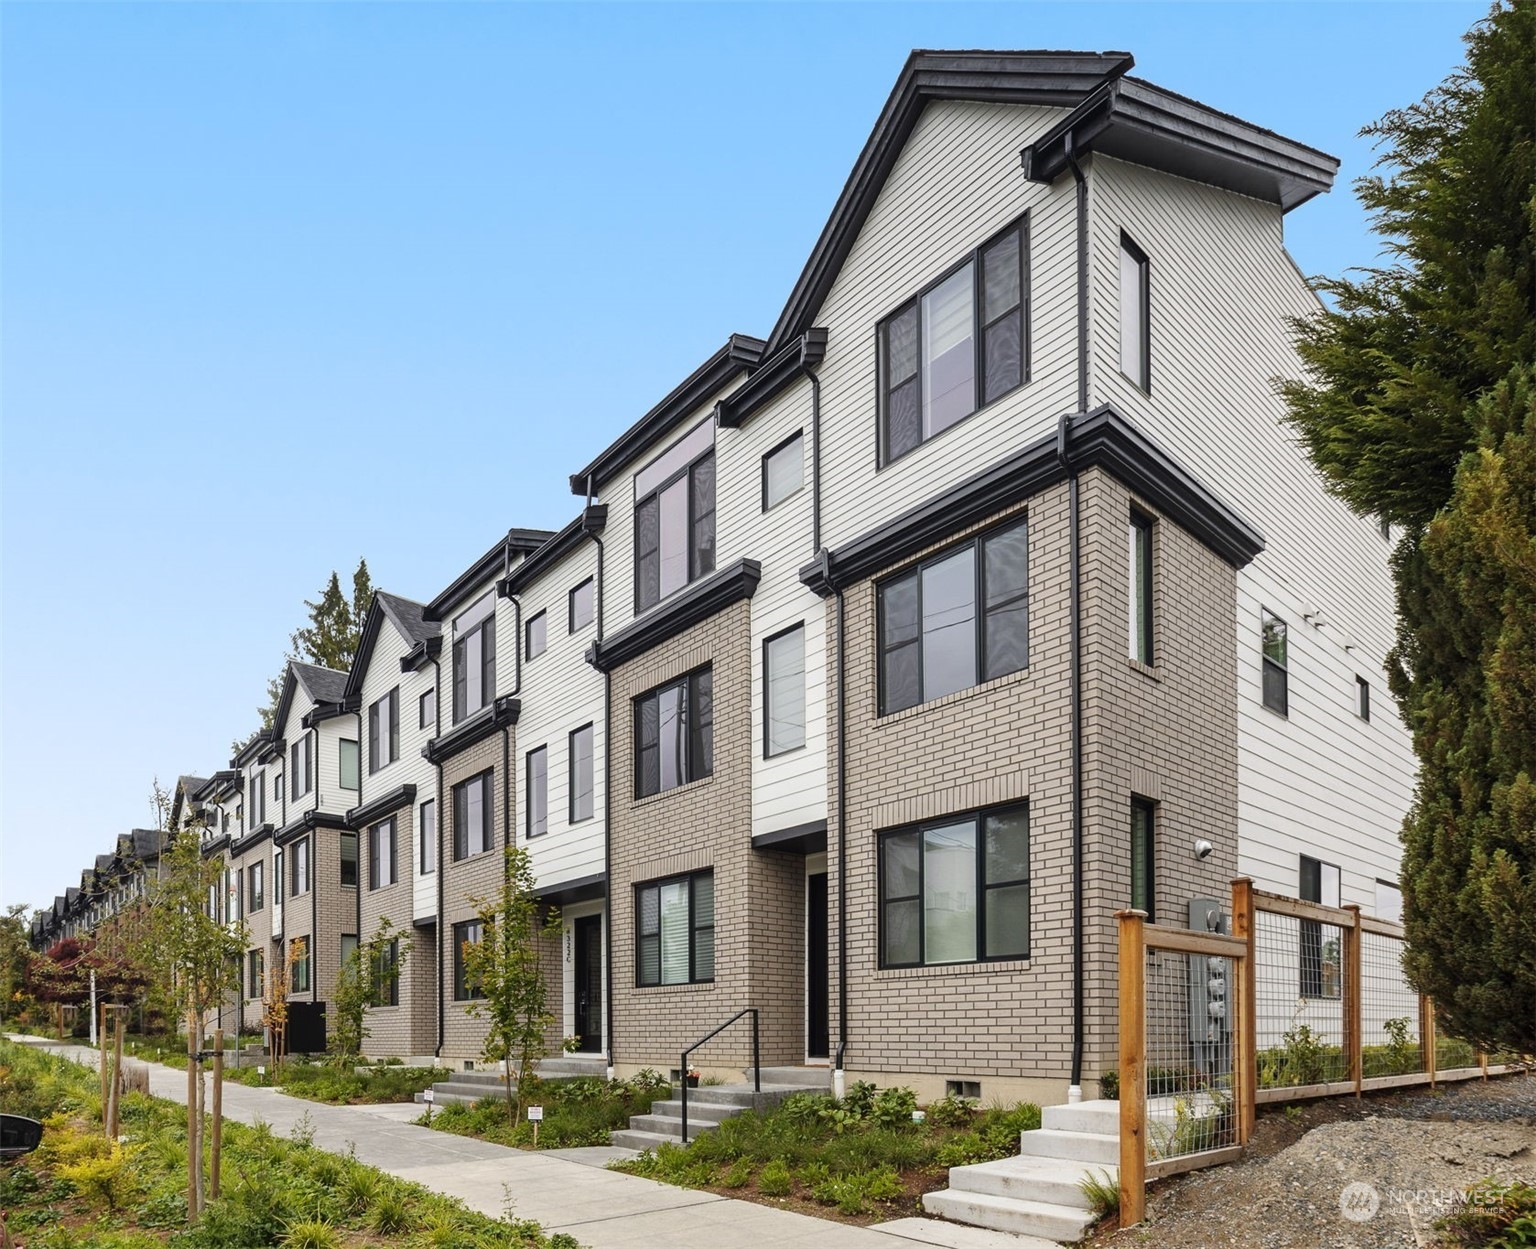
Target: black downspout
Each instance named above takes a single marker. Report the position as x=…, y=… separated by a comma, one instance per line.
x=437, y=814
x=842, y=845
x=1075, y=1092
x=358, y=888
x=599, y=587
x=815, y=456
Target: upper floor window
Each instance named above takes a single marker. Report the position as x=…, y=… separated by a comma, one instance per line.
x=256, y=976
x=474, y=658
x=277, y=877
x=473, y=811
x=1277, y=676
x=381, y=855
x=675, y=734
x=783, y=471
x=302, y=765
x=257, y=804
x=580, y=780
x=255, y=883
x=534, y=632
x=784, y=692
x=956, y=890
x=347, y=763
x=277, y=788
x=582, y=606
x=427, y=821
x=1141, y=588
x=1135, y=315
x=675, y=931
x=300, y=859
x=537, y=800
x=426, y=710
x=675, y=517
x=957, y=620
x=1362, y=698
x=957, y=346
x=384, y=731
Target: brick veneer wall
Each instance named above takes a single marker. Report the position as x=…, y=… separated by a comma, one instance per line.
x=409, y=1029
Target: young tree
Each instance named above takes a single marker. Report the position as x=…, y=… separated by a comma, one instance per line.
x=16, y=959
x=505, y=967
x=363, y=981
x=1418, y=409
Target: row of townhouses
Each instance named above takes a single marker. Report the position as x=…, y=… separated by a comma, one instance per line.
x=890, y=654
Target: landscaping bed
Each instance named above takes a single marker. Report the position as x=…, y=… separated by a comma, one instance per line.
x=859, y=1160
x=576, y=1112
x=81, y=1192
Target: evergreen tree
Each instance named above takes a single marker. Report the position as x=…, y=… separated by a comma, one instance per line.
x=330, y=639
x=1420, y=407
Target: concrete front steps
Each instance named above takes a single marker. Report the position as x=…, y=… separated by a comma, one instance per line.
x=1039, y=1192
x=711, y=1105
x=468, y=1087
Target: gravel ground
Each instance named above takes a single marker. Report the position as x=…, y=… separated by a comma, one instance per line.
x=1413, y=1149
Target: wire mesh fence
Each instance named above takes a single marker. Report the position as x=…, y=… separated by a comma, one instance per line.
x=1190, y=1050
x=1299, y=1018
x=1391, y=1013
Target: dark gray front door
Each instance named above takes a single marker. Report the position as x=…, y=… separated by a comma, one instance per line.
x=589, y=983
x=817, y=1029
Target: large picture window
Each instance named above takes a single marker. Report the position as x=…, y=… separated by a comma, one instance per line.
x=956, y=890
x=674, y=734
x=957, y=346
x=473, y=811
x=675, y=517
x=676, y=930
x=956, y=620
x=474, y=658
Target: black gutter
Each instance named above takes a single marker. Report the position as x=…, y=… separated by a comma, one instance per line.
x=811, y=373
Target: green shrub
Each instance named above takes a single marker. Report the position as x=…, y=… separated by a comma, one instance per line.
x=952, y=1112
x=893, y=1108
x=860, y=1099
x=774, y=1180
x=390, y=1214
x=1109, y=1086
x=311, y=1234
x=1103, y=1193
x=1491, y=1215
x=738, y=1174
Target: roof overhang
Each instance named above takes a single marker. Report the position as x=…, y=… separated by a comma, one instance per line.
x=480, y=575
x=593, y=519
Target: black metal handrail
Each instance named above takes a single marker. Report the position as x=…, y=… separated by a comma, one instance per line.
x=757, y=1061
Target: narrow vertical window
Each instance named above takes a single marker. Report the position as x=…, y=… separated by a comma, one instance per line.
x=580, y=786
x=1276, y=663
x=1362, y=698
x=349, y=859
x=538, y=792
x=298, y=954
x=1143, y=858
x=464, y=935
x=784, y=692
x=347, y=763
x=427, y=825
x=474, y=658
x=581, y=609
x=426, y=710
x=1141, y=588
x=533, y=635
x=381, y=854
x=1321, y=944
x=783, y=471
x=1135, y=314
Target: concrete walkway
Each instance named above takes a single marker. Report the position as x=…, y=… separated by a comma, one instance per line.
x=603, y=1209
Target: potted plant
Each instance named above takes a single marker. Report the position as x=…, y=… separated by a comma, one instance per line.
x=691, y=1077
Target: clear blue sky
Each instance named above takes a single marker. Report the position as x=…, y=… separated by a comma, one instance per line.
x=285, y=285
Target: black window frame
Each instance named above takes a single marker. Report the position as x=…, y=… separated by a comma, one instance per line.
x=768, y=751
x=341, y=764
x=426, y=820
x=485, y=629
x=1312, y=943
x=541, y=619
x=384, y=975
x=279, y=879
x=1363, y=699
x=980, y=613
x=426, y=709
x=698, y=564
x=384, y=731
x=1129, y=247
x=258, y=800
x=378, y=843
x=301, y=766
x=299, y=867
x=486, y=780
x=536, y=821
x=795, y=439
x=349, y=842
x=1143, y=549
x=256, y=887
x=470, y=932
x=572, y=780
x=296, y=965
x=1147, y=836
x=978, y=818
x=277, y=789
x=697, y=753
x=975, y=259
x=1275, y=675
x=694, y=929
x=256, y=973
x=571, y=624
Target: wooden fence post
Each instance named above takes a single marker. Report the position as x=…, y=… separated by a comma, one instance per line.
x=1427, y=1037
x=1354, y=1021
x=1133, y=1072
x=218, y=1113
x=114, y=1101
x=104, y=1048
x=1245, y=1081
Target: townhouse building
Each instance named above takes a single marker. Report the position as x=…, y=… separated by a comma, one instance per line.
x=891, y=653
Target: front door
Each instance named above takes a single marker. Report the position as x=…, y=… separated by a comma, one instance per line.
x=817, y=1030
x=589, y=983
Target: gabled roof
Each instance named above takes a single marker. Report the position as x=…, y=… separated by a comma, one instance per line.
x=409, y=620
x=104, y=863
x=1144, y=124
x=486, y=569
x=146, y=843
x=321, y=685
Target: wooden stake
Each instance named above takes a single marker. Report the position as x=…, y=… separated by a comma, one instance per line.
x=115, y=1099
x=194, y=1157
x=103, y=1048
x=218, y=1111
x=1133, y=1075
x=1352, y=1004
x=1427, y=1040
x=1246, y=1080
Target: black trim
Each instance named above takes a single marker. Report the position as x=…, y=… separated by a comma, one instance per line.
x=386, y=804
x=248, y=753
x=771, y=378
x=1144, y=298
x=593, y=518
x=209, y=848
x=741, y=352
x=797, y=627
x=797, y=436
x=582, y=889
x=1102, y=438
x=307, y=823
x=697, y=602
x=797, y=839
x=503, y=712
x=250, y=841
x=485, y=569
x=328, y=711
x=420, y=655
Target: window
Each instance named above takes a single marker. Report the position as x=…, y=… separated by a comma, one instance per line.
x=674, y=734
x=426, y=710
x=676, y=927
x=936, y=366
x=1144, y=858
x=277, y=877
x=384, y=731
x=1141, y=588
x=427, y=826
x=474, y=658
x=256, y=889
x=956, y=890
x=257, y=804
x=1135, y=314
x=465, y=934
x=348, y=948
x=582, y=607
x=472, y=813
x=538, y=792
x=534, y=634
x=579, y=782
x=347, y=763
x=1276, y=665
x=783, y=472
x=298, y=957
x=1362, y=698
x=385, y=974
x=1389, y=901
x=934, y=641
x=277, y=788
x=1320, y=942
x=675, y=517
x=302, y=765
x=381, y=855
x=349, y=859
x=784, y=692
x=300, y=857
x=255, y=974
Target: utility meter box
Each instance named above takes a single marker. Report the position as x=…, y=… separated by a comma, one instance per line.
x=1210, y=995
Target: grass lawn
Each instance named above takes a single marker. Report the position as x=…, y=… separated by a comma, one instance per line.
x=81, y=1192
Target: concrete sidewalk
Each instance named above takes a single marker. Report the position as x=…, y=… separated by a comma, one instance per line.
x=603, y=1209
